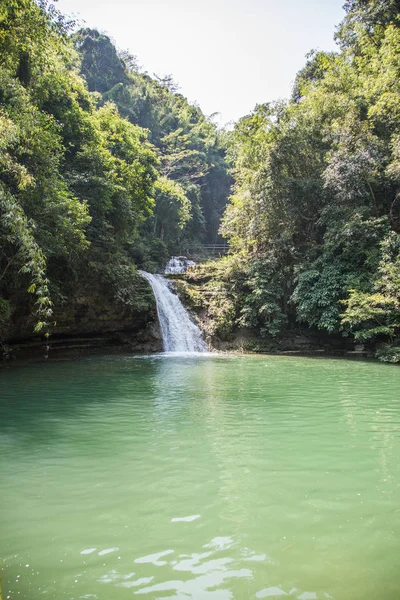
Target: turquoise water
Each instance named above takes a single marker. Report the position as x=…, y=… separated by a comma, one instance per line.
x=204, y=478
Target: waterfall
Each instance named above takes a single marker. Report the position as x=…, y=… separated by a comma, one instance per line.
x=178, y=331
x=178, y=264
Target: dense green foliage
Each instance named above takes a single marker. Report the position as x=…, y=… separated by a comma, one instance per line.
x=101, y=168
x=104, y=168
x=315, y=214
x=190, y=148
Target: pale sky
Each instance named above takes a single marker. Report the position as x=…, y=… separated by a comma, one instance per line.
x=226, y=55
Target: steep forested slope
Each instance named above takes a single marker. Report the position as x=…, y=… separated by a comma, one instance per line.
x=191, y=150
x=314, y=220
x=86, y=194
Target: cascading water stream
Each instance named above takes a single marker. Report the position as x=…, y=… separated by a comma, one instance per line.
x=178, y=331
x=178, y=264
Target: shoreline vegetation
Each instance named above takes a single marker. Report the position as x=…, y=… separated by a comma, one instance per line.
x=105, y=170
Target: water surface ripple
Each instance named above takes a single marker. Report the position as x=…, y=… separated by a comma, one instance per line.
x=203, y=478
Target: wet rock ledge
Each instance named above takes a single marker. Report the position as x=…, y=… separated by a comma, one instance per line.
x=92, y=320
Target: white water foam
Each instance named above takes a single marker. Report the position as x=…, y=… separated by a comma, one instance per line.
x=178, y=331
x=178, y=264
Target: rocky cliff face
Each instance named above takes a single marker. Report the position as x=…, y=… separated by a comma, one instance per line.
x=91, y=318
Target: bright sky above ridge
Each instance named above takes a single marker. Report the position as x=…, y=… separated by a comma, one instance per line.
x=226, y=55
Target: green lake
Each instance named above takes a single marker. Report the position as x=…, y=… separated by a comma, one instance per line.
x=203, y=478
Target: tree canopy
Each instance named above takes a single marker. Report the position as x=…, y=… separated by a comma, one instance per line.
x=104, y=168
x=100, y=166
x=315, y=212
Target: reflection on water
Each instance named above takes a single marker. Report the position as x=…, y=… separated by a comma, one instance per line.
x=213, y=569
x=202, y=477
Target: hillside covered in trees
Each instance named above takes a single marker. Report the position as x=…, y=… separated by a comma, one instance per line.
x=104, y=169
x=314, y=220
